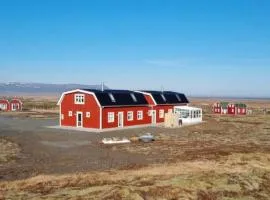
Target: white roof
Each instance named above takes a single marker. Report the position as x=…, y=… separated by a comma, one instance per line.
x=187, y=108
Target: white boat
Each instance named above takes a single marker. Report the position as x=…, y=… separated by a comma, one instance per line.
x=115, y=140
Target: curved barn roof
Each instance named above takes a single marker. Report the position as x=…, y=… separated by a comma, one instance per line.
x=167, y=97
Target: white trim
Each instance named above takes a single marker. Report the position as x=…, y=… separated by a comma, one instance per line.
x=15, y=99
x=60, y=118
x=161, y=114
x=79, y=112
x=110, y=119
x=146, y=93
x=153, y=113
x=132, y=115
x=77, y=90
x=122, y=119
x=100, y=117
x=70, y=113
x=141, y=112
x=81, y=97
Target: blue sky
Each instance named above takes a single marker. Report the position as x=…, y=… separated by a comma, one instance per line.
x=212, y=48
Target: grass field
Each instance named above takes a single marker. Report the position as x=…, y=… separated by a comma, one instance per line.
x=224, y=158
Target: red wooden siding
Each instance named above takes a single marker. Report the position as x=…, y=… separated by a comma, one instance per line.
x=162, y=107
x=90, y=105
x=5, y=102
x=217, y=108
x=15, y=105
x=146, y=118
x=149, y=99
x=231, y=109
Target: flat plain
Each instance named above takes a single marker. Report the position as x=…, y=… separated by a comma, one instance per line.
x=226, y=157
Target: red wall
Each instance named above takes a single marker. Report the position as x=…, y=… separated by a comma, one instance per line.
x=149, y=99
x=90, y=105
x=231, y=109
x=15, y=101
x=146, y=119
x=243, y=111
x=217, y=108
x=162, y=107
x=7, y=103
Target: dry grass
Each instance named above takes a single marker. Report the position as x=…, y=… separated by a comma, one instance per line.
x=238, y=176
x=8, y=151
x=226, y=158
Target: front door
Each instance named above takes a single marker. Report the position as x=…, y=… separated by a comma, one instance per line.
x=120, y=119
x=154, y=117
x=79, y=119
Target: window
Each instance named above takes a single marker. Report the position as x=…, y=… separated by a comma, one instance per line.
x=112, y=97
x=140, y=115
x=161, y=113
x=70, y=113
x=88, y=114
x=62, y=116
x=239, y=110
x=133, y=97
x=178, y=97
x=170, y=111
x=163, y=97
x=130, y=116
x=79, y=98
x=110, y=117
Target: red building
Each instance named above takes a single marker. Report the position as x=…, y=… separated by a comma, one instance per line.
x=16, y=105
x=230, y=108
x=4, y=105
x=102, y=109
x=161, y=102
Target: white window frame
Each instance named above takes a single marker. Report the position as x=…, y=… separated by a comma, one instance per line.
x=70, y=113
x=110, y=117
x=88, y=114
x=130, y=116
x=79, y=98
x=161, y=114
x=139, y=115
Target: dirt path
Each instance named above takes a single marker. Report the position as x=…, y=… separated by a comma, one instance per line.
x=50, y=151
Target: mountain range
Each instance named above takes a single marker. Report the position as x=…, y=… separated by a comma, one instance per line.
x=41, y=88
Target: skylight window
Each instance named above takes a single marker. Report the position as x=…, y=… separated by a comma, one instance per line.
x=133, y=97
x=112, y=97
x=178, y=97
x=163, y=97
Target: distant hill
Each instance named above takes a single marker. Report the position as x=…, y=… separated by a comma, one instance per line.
x=14, y=88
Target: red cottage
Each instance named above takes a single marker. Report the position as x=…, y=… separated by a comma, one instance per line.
x=103, y=109
x=4, y=105
x=216, y=108
x=231, y=109
x=16, y=105
x=220, y=107
x=162, y=102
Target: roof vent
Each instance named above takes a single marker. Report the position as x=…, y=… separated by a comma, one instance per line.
x=112, y=97
x=133, y=97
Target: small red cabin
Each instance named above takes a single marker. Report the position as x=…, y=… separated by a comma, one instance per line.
x=230, y=108
x=103, y=109
x=15, y=105
x=4, y=105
